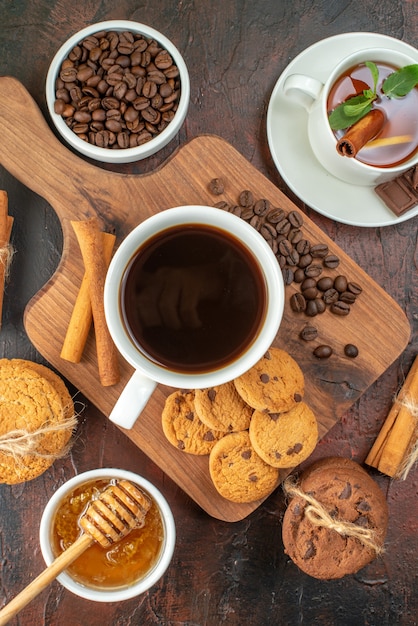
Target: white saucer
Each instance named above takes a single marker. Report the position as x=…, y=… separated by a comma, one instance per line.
x=292, y=154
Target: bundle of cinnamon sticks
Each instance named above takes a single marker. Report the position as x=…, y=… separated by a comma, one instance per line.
x=395, y=450
x=96, y=249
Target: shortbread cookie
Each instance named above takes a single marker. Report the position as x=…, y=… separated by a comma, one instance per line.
x=237, y=471
x=348, y=494
x=183, y=428
x=222, y=408
x=32, y=397
x=284, y=439
x=274, y=384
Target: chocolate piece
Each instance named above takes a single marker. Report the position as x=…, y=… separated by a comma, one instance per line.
x=401, y=193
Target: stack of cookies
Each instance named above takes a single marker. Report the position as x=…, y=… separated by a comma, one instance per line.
x=36, y=419
x=251, y=427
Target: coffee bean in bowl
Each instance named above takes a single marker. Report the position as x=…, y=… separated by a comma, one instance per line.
x=118, y=91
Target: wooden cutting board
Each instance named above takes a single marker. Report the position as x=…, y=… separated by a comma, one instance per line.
x=77, y=190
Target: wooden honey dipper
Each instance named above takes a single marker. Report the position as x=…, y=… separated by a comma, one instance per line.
x=119, y=509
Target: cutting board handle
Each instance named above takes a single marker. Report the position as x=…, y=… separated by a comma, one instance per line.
x=32, y=154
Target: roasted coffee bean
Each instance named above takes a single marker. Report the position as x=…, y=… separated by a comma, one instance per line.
x=314, y=306
x=295, y=235
x=268, y=231
x=288, y=275
x=304, y=260
x=283, y=226
x=295, y=218
x=293, y=258
x=246, y=198
x=261, y=207
x=285, y=247
x=330, y=295
x=340, y=283
x=340, y=308
x=275, y=215
x=310, y=293
x=297, y=302
x=217, y=186
x=351, y=350
x=313, y=270
x=347, y=296
x=331, y=261
x=319, y=251
x=118, y=71
x=256, y=221
x=303, y=246
x=247, y=213
x=308, y=283
x=299, y=275
x=323, y=351
x=325, y=283
x=354, y=288
x=308, y=333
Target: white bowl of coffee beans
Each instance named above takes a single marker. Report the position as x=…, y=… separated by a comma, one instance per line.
x=118, y=91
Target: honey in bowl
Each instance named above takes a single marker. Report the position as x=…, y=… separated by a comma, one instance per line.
x=118, y=566
x=398, y=139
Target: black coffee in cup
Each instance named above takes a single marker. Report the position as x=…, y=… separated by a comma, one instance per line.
x=193, y=298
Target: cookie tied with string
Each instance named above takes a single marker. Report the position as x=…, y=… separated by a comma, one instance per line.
x=36, y=419
x=336, y=520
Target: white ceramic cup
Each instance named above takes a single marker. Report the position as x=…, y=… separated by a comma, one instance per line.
x=133, y=589
x=148, y=373
x=312, y=94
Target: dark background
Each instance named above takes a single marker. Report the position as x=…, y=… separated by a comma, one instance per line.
x=221, y=573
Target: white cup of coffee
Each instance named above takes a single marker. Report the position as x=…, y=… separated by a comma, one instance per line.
x=193, y=298
x=371, y=166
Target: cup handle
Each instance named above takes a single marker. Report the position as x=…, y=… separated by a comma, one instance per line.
x=303, y=90
x=132, y=400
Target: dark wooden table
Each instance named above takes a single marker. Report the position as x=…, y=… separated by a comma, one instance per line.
x=221, y=573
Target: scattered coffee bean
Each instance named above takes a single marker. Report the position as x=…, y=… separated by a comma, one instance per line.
x=354, y=288
x=323, y=351
x=351, y=350
x=246, y=198
x=319, y=251
x=308, y=333
x=297, y=302
x=325, y=283
x=347, y=296
x=296, y=257
x=331, y=261
x=340, y=283
x=340, y=308
x=217, y=186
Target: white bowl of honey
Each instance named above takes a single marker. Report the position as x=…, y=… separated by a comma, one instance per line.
x=128, y=567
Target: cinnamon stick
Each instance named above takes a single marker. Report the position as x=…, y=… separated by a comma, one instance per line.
x=91, y=245
x=399, y=431
x=82, y=317
x=360, y=133
x=6, y=223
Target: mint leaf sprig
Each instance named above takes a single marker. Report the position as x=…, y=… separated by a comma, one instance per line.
x=396, y=85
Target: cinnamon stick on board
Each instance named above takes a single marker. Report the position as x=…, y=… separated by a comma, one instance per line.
x=399, y=431
x=360, y=133
x=6, y=223
x=91, y=246
x=81, y=317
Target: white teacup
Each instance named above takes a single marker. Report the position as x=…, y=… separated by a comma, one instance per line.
x=312, y=94
x=148, y=371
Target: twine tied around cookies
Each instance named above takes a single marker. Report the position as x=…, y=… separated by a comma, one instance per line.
x=318, y=516
x=20, y=442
